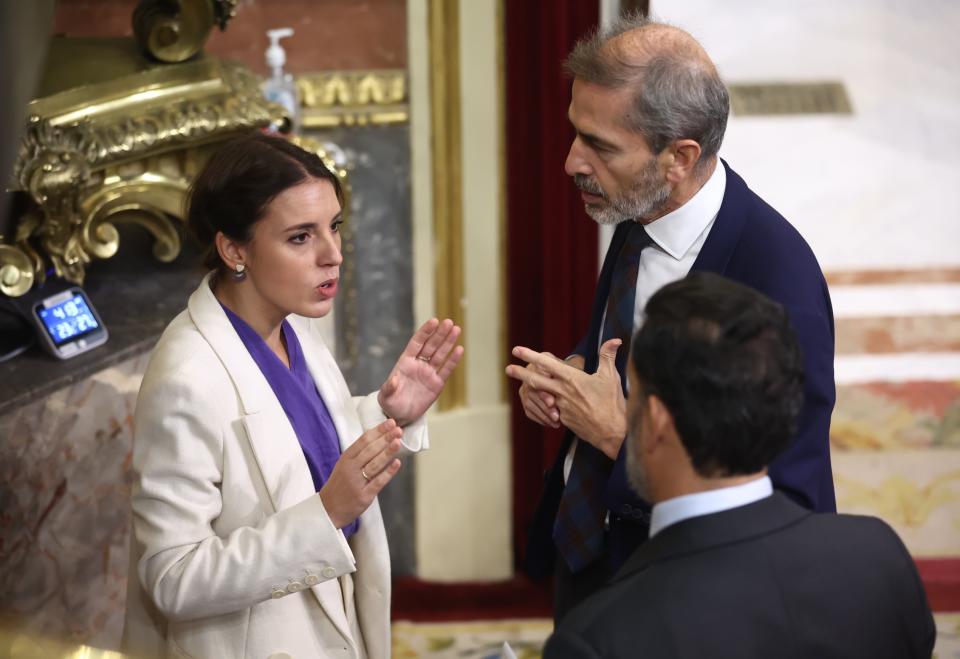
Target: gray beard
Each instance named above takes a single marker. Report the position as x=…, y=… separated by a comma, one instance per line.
x=648, y=195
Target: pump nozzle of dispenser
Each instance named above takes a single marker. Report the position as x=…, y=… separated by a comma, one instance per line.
x=276, y=55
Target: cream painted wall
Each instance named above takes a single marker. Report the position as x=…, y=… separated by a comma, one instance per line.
x=463, y=482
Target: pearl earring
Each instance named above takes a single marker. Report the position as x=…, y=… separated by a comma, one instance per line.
x=241, y=272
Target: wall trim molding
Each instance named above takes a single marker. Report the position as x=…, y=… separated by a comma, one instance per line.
x=443, y=26
x=353, y=98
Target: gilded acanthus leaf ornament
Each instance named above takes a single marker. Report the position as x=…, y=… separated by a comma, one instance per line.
x=88, y=165
x=117, y=138
x=54, y=165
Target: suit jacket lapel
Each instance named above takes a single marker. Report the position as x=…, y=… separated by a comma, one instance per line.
x=725, y=234
x=705, y=532
x=272, y=439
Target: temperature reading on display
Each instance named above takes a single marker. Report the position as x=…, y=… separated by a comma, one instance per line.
x=68, y=324
x=69, y=319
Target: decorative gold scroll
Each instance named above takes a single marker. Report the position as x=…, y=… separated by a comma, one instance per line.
x=175, y=30
x=353, y=98
x=122, y=150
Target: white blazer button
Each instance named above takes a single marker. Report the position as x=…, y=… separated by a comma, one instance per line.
x=328, y=572
x=279, y=655
x=311, y=580
x=294, y=587
x=277, y=593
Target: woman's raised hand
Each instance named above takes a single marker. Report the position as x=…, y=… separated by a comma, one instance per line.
x=421, y=372
x=361, y=472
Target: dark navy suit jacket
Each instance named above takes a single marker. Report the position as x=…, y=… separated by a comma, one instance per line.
x=768, y=579
x=753, y=244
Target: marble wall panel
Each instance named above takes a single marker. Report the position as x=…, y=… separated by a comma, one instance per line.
x=64, y=509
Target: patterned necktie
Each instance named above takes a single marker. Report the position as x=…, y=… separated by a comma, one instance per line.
x=578, y=529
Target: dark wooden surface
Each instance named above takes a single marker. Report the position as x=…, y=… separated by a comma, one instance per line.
x=136, y=297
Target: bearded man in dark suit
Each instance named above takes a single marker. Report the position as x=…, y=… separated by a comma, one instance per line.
x=650, y=111
x=733, y=568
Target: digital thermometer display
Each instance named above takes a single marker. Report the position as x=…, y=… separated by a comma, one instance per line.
x=69, y=324
x=70, y=319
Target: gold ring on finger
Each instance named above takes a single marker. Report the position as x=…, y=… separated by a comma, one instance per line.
x=364, y=474
x=423, y=359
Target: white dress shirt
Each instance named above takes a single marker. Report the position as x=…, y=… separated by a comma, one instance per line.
x=678, y=509
x=677, y=238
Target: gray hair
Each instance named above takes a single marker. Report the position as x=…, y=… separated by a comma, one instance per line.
x=676, y=94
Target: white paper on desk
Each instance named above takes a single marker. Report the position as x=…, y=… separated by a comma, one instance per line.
x=507, y=652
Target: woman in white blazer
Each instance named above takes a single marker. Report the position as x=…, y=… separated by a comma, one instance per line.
x=256, y=527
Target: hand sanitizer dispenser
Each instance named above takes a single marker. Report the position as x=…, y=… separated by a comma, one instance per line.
x=280, y=87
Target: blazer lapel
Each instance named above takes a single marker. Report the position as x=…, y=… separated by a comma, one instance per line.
x=333, y=389
x=326, y=375
x=272, y=439
x=369, y=543
x=725, y=234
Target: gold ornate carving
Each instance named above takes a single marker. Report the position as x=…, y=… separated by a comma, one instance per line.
x=349, y=98
x=16, y=271
x=53, y=166
x=125, y=150
x=175, y=30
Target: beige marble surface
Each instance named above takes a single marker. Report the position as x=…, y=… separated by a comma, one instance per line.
x=64, y=509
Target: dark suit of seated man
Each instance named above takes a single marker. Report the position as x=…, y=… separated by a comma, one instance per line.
x=733, y=569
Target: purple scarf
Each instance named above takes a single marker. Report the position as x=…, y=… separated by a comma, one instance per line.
x=298, y=395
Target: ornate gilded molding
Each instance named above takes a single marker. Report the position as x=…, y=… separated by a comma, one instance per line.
x=16, y=271
x=175, y=30
x=124, y=150
x=127, y=118
x=447, y=159
x=353, y=98
x=502, y=187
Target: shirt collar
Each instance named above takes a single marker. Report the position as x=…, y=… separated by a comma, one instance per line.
x=671, y=511
x=677, y=231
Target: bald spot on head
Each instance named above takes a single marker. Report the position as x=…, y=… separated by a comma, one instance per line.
x=675, y=91
x=636, y=47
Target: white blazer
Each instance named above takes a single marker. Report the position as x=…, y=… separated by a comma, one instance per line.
x=235, y=554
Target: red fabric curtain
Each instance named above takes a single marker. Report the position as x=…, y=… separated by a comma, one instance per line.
x=551, y=243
